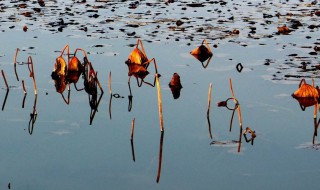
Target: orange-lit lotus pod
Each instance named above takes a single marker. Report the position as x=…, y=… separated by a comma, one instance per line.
x=59, y=73
x=138, y=64
x=74, y=70
x=283, y=30
x=306, y=91
x=306, y=102
x=202, y=53
x=175, y=85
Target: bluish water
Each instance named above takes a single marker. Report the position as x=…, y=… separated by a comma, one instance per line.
x=66, y=152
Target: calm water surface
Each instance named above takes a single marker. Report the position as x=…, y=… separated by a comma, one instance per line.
x=66, y=152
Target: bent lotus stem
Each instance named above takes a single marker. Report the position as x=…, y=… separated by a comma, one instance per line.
x=66, y=47
x=5, y=80
x=160, y=157
x=15, y=63
x=139, y=42
x=239, y=113
x=31, y=70
x=80, y=49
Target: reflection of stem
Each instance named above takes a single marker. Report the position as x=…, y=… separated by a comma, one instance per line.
x=92, y=114
x=5, y=99
x=5, y=80
x=315, y=133
x=24, y=99
x=160, y=156
x=110, y=102
x=33, y=116
x=209, y=99
x=132, y=150
x=231, y=120
x=130, y=96
x=159, y=103
x=15, y=63
x=209, y=125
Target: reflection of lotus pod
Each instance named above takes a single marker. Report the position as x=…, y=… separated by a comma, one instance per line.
x=306, y=91
x=137, y=70
x=307, y=102
x=60, y=83
x=175, y=85
x=202, y=53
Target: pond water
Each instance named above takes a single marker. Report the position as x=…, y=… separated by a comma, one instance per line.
x=64, y=151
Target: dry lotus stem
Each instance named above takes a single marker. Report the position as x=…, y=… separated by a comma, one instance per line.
x=31, y=70
x=109, y=83
x=159, y=103
x=5, y=80
x=132, y=128
x=15, y=63
x=23, y=87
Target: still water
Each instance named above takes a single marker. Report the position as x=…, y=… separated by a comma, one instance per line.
x=65, y=152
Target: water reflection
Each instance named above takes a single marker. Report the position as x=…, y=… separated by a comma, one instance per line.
x=307, y=95
x=33, y=116
x=5, y=99
x=131, y=140
x=175, y=85
x=7, y=91
x=63, y=75
x=203, y=53
x=138, y=64
x=235, y=106
x=160, y=157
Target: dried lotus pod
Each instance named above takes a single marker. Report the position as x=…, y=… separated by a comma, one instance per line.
x=175, y=81
x=175, y=85
x=74, y=70
x=202, y=53
x=306, y=91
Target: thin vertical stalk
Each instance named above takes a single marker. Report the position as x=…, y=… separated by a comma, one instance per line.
x=109, y=83
x=132, y=128
x=239, y=113
x=159, y=103
x=160, y=157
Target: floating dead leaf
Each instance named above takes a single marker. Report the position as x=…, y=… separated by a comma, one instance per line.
x=283, y=30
